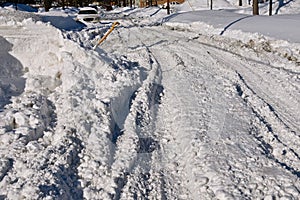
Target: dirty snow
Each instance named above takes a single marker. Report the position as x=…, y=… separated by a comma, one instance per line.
x=196, y=105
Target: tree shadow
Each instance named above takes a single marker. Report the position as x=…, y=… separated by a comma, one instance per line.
x=282, y=4
x=232, y=23
x=12, y=82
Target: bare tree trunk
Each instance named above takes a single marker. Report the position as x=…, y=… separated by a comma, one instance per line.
x=16, y=5
x=63, y=4
x=211, y=4
x=168, y=7
x=79, y=3
x=270, y=7
x=255, y=7
x=47, y=5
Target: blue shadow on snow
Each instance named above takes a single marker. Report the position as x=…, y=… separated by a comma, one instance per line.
x=12, y=82
x=64, y=23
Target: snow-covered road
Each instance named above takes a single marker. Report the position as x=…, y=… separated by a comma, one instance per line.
x=156, y=112
x=228, y=120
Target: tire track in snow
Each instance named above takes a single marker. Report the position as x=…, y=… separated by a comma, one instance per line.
x=213, y=145
x=202, y=134
x=275, y=119
x=235, y=153
x=278, y=147
x=135, y=179
x=179, y=131
x=129, y=182
x=209, y=131
x=290, y=86
x=276, y=138
x=278, y=76
x=242, y=191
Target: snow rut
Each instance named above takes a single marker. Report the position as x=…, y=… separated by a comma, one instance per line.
x=117, y=140
x=274, y=131
x=276, y=138
x=131, y=169
x=205, y=125
x=179, y=134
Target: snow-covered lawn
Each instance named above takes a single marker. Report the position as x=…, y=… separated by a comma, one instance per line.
x=196, y=105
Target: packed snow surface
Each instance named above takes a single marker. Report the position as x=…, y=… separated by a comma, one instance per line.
x=199, y=104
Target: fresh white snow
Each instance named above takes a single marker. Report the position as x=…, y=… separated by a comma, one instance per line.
x=199, y=104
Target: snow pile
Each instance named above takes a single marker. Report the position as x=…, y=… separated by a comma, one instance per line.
x=13, y=19
x=65, y=95
x=19, y=7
